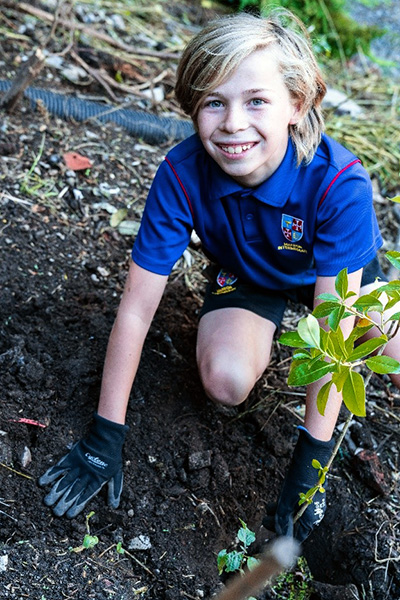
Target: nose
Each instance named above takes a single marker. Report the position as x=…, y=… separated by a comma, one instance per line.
x=234, y=120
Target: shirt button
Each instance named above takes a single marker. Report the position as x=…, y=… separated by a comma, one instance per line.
x=249, y=217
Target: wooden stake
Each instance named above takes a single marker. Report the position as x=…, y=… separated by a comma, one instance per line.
x=27, y=72
x=281, y=554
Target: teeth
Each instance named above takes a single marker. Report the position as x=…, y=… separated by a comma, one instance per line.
x=236, y=149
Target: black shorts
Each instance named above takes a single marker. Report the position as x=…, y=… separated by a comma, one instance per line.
x=225, y=291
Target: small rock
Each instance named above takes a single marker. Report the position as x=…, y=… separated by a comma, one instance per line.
x=103, y=272
x=78, y=196
x=156, y=94
x=368, y=467
x=325, y=591
x=5, y=449
x=340, y=102
x=221, y=469
x=107, y=190
x=118, y=22
x=55, y=61
x=199, y=460
x=54, y=159
x=141, y=542
x=76, y=75
x=3, y=563
x=26, y=457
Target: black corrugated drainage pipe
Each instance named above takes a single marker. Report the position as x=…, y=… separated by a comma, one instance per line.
x=145, y=126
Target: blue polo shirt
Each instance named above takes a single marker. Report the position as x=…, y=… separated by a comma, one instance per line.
x=304, y=221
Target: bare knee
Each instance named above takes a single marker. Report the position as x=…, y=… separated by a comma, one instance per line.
x=227, y=383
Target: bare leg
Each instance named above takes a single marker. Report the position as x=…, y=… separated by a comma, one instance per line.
x=233, y=350
x=393, y=347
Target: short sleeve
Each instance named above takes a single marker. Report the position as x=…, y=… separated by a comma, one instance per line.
x=166, y=224
x=347, y=232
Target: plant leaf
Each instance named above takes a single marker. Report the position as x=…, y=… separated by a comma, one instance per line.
x=338, y=344
x=252, y=562
x=342, y=283
x=117, y=217
x=329, y=297
x=308, y=372
x=383, y=364
x=392, y=287
x=234, y=561
x=245, y=535
x=395, y=317
x=392, y=302
x=292, y=339
x=367, y=348
x=324, y=309
x=308, y=330
x=340, y=377
x=368, y=303
x=302, y=356
x=90, y=540
x=354, y=394
x=221, y=560
x=394, y=258
x=359, y=330
x=335, y=317
x=323, y=395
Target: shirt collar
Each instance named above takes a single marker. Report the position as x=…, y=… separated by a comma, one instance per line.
x=274, y=191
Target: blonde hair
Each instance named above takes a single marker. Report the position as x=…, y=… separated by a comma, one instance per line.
x=215, y=52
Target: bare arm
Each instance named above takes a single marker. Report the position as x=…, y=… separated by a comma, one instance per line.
x=321, y=427
x=141, y=297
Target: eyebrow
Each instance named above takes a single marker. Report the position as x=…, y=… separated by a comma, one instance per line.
x=245, y=93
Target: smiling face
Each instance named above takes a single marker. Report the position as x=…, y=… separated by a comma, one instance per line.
x=244, y=122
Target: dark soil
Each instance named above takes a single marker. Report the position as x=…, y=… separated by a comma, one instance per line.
x=192, y=470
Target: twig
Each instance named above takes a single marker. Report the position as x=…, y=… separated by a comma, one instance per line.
x=14, y=199
x=16, y=472
x=131, y=556
x=383, y=560
x=89, y=31
x=7, y=515
x=95, y=73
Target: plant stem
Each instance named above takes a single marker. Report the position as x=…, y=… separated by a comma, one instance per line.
x=339, y=441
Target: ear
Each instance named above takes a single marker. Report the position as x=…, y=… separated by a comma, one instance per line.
x=297, y=112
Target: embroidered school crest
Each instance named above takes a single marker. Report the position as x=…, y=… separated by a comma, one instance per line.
x=225, y=279
x=292, y=228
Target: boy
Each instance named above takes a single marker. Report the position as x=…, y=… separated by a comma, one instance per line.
x=280, y=209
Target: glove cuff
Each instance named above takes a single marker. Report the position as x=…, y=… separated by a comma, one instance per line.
x=106, y=437
x=303, y=431
x=308, y=446
x=101, y=423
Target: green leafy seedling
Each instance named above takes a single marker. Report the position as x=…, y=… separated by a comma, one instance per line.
x=120, y=549
x=89, y=541
x=236, y=560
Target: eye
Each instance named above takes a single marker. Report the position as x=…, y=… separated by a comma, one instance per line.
x=257, y=102
x=213, y=103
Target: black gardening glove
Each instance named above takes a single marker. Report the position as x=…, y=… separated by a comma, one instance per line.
x=302, y=476
x=91, y=463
